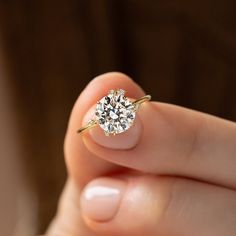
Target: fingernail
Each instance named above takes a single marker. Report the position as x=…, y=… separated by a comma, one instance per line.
x=125, y=140
x=101, y=199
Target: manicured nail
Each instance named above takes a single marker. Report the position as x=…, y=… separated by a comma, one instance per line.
x=101, y=199
x=125, y=140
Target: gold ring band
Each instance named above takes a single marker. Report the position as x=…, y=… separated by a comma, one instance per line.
x=142, y=100
x=136, y=104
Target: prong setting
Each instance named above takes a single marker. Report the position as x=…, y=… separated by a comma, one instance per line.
x=115, y=113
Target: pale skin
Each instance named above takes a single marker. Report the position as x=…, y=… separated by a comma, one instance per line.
x=173, y=173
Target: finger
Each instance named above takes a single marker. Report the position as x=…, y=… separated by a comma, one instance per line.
x=82, y=164
x=148, y=205
x=174, y=141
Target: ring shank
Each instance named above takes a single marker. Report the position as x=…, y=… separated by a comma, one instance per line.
x=136, y=103
x=142, y=100
x=91, y=124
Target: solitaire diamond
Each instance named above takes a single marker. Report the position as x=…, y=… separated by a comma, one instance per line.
x=115, y=113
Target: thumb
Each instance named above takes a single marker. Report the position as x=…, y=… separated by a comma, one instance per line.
x=157, y=205
x=126, y=205
x=171, y=140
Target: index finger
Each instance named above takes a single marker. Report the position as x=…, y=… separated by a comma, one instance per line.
x=82, y=164
x=173, y=141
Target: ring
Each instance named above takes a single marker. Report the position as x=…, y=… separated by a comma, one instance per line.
x=115, y=113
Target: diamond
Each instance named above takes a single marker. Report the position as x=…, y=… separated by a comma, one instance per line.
x=115, y=113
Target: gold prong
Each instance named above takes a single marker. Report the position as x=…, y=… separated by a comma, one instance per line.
x=122, y=91
x=89, y=125
x=111, y=91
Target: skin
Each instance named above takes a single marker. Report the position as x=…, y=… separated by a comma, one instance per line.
x=175, y=171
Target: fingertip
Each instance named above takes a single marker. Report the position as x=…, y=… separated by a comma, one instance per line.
x=82, y=163
x=98, y=88
x=112, y=80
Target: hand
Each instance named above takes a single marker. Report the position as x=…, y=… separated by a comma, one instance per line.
x=172, y=173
